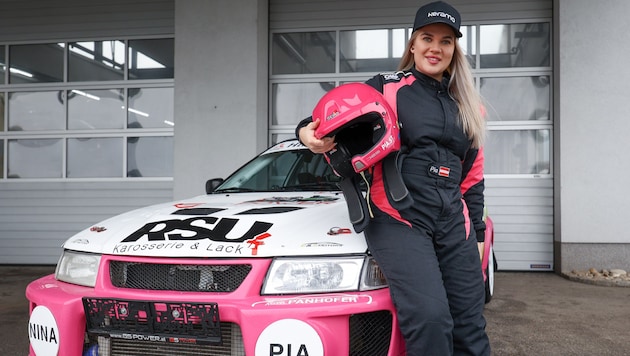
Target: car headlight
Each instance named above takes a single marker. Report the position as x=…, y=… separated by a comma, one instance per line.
x=303, y=275
x=78, y=268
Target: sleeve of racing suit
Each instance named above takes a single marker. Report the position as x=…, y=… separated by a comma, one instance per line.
x=472, y=187
x=376, y=82
x=301, y=124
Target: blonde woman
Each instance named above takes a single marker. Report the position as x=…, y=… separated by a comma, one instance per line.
x=428, y=249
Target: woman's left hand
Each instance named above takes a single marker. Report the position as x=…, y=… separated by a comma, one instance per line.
x=480, y=247
x=307, y=137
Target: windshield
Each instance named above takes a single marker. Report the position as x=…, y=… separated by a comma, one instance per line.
x=288, y=170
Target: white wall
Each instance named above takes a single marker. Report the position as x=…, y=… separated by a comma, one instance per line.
x=221, y=89
x=594, y=44
x=591, y=190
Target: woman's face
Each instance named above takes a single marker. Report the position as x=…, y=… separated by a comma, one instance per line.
x=433, y=49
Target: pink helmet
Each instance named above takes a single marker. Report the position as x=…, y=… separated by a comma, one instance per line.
x=365, y=127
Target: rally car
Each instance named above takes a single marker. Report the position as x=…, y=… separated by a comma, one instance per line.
x=266, y=263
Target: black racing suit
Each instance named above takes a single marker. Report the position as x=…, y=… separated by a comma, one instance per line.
x=431, y=133
x=432, y=266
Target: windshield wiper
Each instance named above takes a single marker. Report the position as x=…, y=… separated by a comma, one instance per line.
x=234, y=190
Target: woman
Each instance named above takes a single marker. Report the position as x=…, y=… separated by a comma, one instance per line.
x=428, y=252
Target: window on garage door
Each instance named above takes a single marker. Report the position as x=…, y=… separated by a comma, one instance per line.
x=511, y=65
x=87, y=109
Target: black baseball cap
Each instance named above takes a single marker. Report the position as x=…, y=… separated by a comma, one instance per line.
x=438, y=12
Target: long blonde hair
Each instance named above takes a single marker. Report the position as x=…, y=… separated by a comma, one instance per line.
x=462, y=89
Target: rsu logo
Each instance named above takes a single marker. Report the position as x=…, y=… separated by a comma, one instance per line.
x=197, y=228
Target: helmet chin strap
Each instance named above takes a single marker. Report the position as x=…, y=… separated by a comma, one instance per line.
x=359, y=207
x=367, y=196
x=356, y=202
x=396, y=188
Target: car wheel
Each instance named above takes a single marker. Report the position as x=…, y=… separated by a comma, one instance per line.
x=490, y=269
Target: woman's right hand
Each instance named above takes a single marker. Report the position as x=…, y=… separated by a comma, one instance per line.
x=307, y=137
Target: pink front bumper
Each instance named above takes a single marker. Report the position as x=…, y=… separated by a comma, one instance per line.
x=271, y=325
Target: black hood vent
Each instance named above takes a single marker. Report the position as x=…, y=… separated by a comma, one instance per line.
x=197, y=211
x=271, y=210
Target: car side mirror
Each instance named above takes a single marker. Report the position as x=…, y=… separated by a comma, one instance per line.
x=212, y=184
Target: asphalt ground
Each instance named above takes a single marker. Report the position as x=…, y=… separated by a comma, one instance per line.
x=531, y=313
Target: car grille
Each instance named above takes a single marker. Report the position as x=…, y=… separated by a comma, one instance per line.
x=370, y=333
x=178, y=277
x=230, y=334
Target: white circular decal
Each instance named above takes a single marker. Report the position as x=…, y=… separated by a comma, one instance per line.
x=43, y=332
x=289, y=337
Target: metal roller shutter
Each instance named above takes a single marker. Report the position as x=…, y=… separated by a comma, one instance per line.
x=37, y=216
x=522, y=208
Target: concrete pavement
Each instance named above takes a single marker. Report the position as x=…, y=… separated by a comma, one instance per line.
x=532, y=313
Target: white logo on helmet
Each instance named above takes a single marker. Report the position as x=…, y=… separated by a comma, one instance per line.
x=333, y=115
x=387, y=143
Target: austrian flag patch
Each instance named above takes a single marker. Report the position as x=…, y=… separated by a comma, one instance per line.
x=440, y=171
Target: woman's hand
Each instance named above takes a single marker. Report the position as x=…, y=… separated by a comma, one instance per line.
x=307, y=137
x=480, y=247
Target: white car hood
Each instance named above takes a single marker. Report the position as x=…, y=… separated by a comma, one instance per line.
x=229, y=225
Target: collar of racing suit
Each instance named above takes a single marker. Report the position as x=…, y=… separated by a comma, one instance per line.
x=426, y=80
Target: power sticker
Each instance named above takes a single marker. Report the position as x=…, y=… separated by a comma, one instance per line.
x=43, y=332
x=289, y=337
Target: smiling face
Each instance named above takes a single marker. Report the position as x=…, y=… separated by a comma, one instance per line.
x=433, y=49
